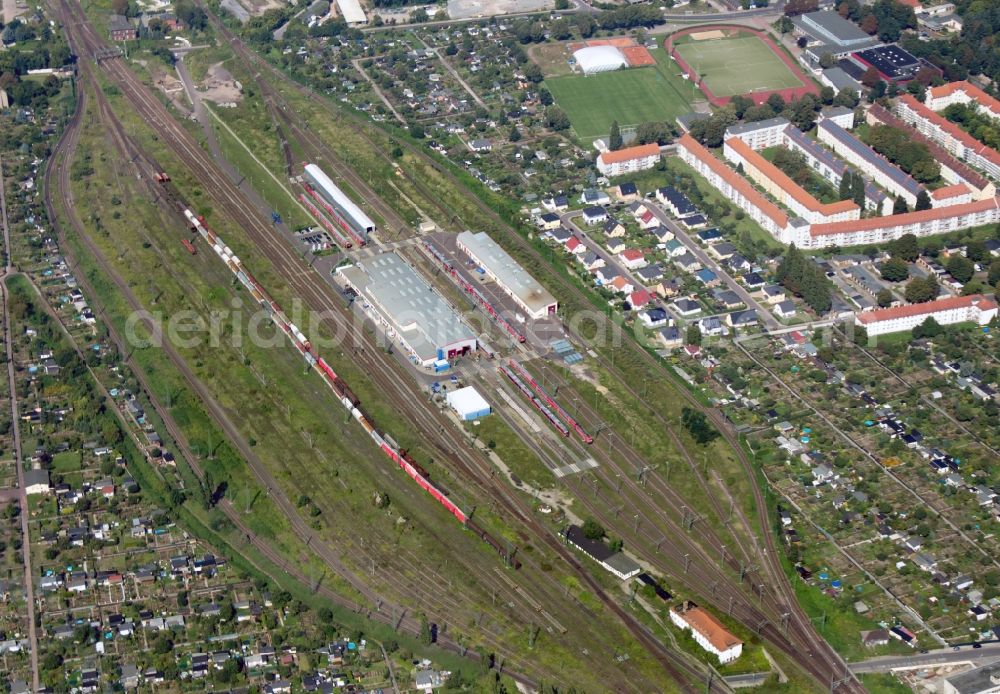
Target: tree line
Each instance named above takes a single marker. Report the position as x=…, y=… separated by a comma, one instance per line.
x=805, y=279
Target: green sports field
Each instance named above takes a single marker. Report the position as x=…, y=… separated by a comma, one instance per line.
x=739, y=65
x=633, y=96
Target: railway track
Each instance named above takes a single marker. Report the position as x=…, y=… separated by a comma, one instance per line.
x=421, y=588
x=156, y=118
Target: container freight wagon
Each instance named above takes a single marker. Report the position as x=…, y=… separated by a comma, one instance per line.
x=346, y=396
x=355, y=222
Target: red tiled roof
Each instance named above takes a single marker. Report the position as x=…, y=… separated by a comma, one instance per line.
x=971, y=90
x=629, y=153
x=735, y=180
x=572, y=243
x=620, y=283
x=640, y=298
x=631, y=254
x=786, y=183
x=950, y=128
x=711, y=628
x=952, y=191
x=944, y=157
x=946, y=304
x=873, y=223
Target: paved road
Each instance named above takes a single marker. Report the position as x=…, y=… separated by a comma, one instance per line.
x=763, y=315
x=967, y=654
x=29, y=584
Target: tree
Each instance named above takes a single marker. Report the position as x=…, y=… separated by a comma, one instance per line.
x=976, y=251
x=869, y=24
x=920, y=290
x=698, y=426
x=923, y=201
x=871, y=77
x=899, y=205
x=929, y=328
x=884, y=297
x=776, y=102
x=993, y=275
x=533, y=73
x=740, y=104
x=417, y=131
x=845, y=192
x=847, y=97
x=827, y=61
x=804, y=278
x=960, y=267
x=693, y=335
x=615, y=138
x=858, y=190
x=556, y=118
x=894, y=270
x=905, y=247
x=878, y=91
x=592, y=530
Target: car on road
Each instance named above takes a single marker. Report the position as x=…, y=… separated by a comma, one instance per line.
x=977, y=645
x=956, y=648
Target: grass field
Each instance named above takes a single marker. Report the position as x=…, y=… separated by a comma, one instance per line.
x=738, y=66
x=634, y=96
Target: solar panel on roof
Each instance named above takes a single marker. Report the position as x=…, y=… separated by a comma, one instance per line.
x=573, y=358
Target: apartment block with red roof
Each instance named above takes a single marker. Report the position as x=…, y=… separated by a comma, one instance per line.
x=953, y=170
x=940, y=98
x=734, y=187
x=855, y=232
x=938, y=220
x=782, y=188
x=623, y=161
x=955, y=140
x=953, y=309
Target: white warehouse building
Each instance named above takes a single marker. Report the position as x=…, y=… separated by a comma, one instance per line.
x=532, y=298
x=594, y=59
x=412, y=313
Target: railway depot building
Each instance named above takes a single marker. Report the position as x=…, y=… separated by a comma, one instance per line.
x=530, y=296
x=412, y=313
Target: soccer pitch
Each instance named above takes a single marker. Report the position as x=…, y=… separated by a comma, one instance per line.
x=633, y=96
x=737, y=66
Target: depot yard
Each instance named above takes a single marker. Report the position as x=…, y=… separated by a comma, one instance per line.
x=739, y=65
x=632, y=96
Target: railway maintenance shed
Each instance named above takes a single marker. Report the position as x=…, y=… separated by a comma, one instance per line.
x=530, y=296
x=411, y=311
x=468, y=403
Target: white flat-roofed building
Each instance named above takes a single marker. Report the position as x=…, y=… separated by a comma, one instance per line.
x=534, y=299
x=410, y=310
x=468, y=403
x=351, y=12
x=953, y=309
x=594, y=59
x=760, y=134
